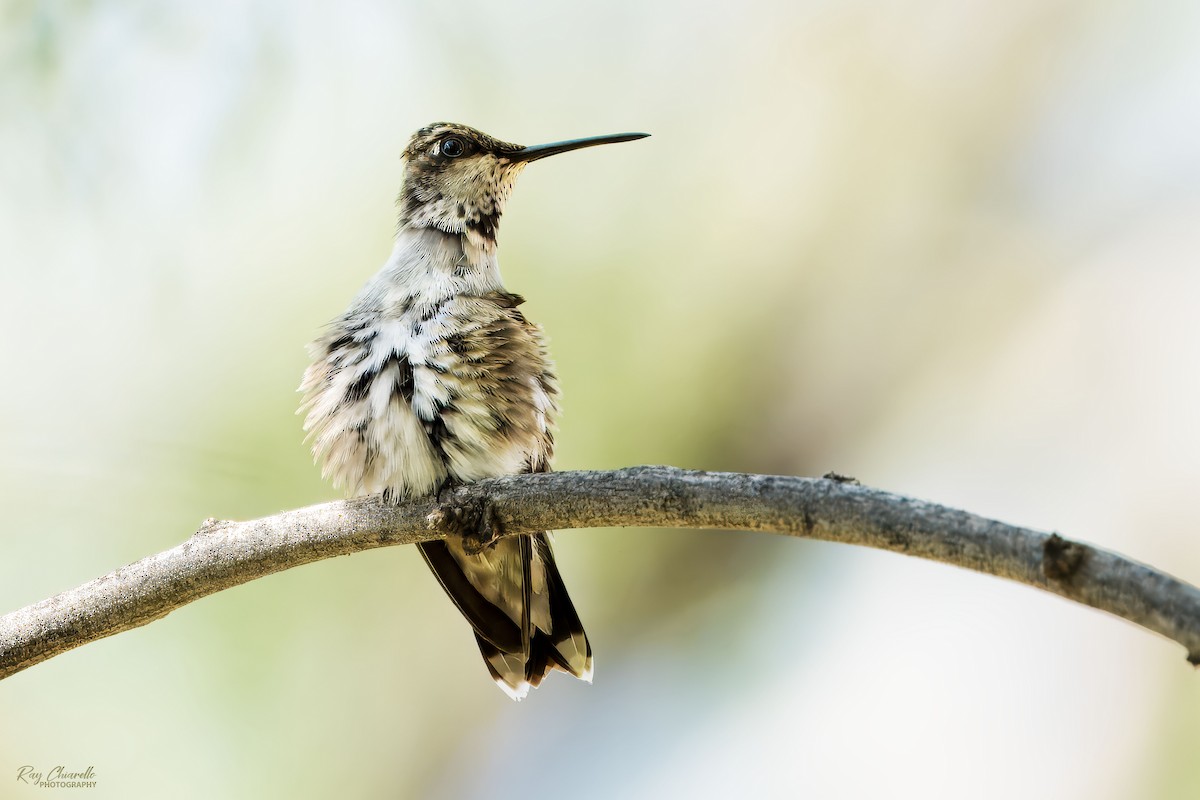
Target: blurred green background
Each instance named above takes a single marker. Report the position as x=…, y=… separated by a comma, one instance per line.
x=948, y=248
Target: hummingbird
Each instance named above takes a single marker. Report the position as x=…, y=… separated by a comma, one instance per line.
x=434, y=378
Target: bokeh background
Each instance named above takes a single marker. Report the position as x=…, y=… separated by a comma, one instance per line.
x=949, y=248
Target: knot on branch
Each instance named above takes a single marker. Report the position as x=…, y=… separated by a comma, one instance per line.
x=1061, y=558
x=211, y=525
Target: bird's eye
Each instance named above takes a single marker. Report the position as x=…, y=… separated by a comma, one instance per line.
x=452, y=147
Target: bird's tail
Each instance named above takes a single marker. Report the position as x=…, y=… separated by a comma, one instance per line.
x=514, y=598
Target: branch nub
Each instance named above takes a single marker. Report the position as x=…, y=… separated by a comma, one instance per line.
x=1061, y=558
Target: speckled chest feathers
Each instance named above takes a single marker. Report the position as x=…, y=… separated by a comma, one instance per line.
x=431, y=373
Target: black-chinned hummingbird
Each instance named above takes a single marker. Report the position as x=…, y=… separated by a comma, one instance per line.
x=433, y=377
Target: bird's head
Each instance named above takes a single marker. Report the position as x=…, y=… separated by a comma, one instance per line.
x=457, y=179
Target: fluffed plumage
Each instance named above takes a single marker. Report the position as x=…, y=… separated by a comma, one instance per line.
x=434, y=376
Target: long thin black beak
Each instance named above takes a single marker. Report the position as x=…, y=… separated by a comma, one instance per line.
x=537, y=151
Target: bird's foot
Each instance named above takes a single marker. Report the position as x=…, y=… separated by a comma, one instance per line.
x=446, y=486
x=486, y=528
x=475, y=521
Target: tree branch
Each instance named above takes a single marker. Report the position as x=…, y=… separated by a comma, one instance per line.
x=224, y=554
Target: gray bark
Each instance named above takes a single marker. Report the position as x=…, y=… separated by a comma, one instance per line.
x=222, y=554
